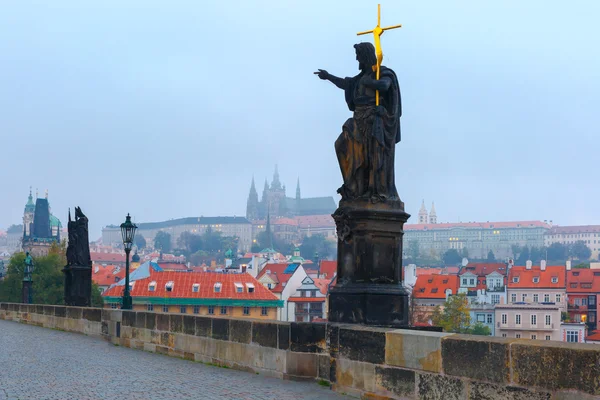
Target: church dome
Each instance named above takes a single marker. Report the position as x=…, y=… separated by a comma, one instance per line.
x=135, y=258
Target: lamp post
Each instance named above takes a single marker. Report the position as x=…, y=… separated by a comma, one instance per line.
x=128, y=232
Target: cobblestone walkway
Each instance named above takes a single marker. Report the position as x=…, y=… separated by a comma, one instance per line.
x=39, y=363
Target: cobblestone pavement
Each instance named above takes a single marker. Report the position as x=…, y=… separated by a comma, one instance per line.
x=39, y=363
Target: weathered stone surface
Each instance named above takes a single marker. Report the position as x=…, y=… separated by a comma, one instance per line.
x=307, y=337
x=414, y=349
x=176, y=323
x=140, y=320
x=437, y=387
x=203, y=326
x=150, y=321
x=333, y=339
x=4, y=306
x=74, y=312
x=355, y=374
x=128, y=318
x=488, y=391
x=362, y=344
x=264, y=334
x=399, y=382
x=48, y=310
x=60, y=311
x=240, y=331
x=572, y=395
x=189, y=324
x=38, y=309
x=162, y=322
x=283, y=336
x=220, y=329
x=477, y=357
x=302, y=364
x=557, y=366
x=324, y=369
x=92, y=314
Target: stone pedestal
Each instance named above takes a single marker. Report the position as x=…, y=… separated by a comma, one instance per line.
x=78, y=286
x=27, y=292
x=369, y=273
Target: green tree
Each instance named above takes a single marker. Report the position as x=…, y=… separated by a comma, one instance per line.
x=162, y=241
x=464, y=253
x=413, y=250
x=537, y=254
x=582, y=266
x=97, y=299
x=479, y=329
x=558, y=252
x=189, y=243
x=317, y=244
x=140, y=241
x=454, y=317
x=523, y=256
x=580, y=251
x=491, y=257
x=451, y=257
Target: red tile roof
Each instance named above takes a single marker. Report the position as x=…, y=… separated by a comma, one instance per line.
x=328, y=269
x=275, y=271
x=583, y=280
x=545, y=277
x=483, y=269
x=107, y=257
x=307, y=299
x=172, y=266
x=322, y=284
x=434, y=286
x=105, y=275
x=574, y=229
x=593, y=337
x=316, y=221
x=272, y=268
x=184, y=281
x=477, y=225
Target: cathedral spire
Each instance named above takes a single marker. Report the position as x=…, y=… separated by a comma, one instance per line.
x=423, y=214
x=276, y=184
x=252, y=203
x=298, y=189
x=265, y=191
x=432, y=214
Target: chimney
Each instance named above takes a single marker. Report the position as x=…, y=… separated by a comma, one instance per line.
x=96, y=269
x=543, y=265
x=528, y=264
x=569, y=265
x=465, y=262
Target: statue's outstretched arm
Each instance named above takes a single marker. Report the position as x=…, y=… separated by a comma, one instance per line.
x=342, y=83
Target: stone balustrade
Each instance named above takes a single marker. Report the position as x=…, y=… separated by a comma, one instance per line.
x=371, y=363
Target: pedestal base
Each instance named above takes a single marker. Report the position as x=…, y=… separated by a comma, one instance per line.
x=385, y=305
x=78, y=286
x=27, y=292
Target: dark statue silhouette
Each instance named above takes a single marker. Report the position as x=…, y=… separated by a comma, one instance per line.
x=78, y=271
x=366, y=147
x=370, y=217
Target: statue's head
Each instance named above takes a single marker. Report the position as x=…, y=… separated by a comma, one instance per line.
x=365, y=55
x=26, y=254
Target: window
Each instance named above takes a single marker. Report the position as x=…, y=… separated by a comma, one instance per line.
x=524, y=297
x=572, y=336
x=217, y=287
x=239, y=288
x=547, y=337
x=534, y=337
x=211, y=310
x=518, y=319
x=434, y=290
x=518, y=336
x=504, y=335
x=464, y=281
x=196, y=309
x=583, y=302
x=546, y=298
x=152, y=286
x=534, y=319
x=150, y=307
x=169, y=286
x=472, y=281
x=269, y=286
x=264, y=311
x=490, y=318
x=480, y=317
x=223, y=310
x=515, y=279
x=183, y=309
x=113, y=305
x=195, y=287
x=495, y=299
x=246, y=310
x=250, y=287
x=536, y=279
x=548, y=320
x=586, y=285
x=555, y=279
x=504, y=319
x=513, y=298
x=536, y=298
x=558, y=298
x=165, y=308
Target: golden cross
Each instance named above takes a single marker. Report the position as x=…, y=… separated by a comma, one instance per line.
x=377, y=32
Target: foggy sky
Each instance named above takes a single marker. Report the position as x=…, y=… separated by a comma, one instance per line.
x=167, y=109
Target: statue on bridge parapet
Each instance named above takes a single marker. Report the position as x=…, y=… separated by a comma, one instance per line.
x=78, y=271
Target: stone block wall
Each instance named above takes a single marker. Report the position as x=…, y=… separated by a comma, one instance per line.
x=367, y=362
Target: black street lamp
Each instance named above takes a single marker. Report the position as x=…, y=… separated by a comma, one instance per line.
x=128, y=232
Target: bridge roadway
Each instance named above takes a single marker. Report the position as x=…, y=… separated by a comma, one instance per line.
x=39, y=363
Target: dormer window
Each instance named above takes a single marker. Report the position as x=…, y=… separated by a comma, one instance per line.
x=218, y=287
x=195, y=287
x=239, y=288
x=445, y=281
x=555, y=279
x=169, y=286
x=536, y=279
x=152, y=286
x=422, y=290
x=515, y=279
x=434, y=290
x=250, y=287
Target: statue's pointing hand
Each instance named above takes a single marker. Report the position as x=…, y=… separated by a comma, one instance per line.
x=322, y=74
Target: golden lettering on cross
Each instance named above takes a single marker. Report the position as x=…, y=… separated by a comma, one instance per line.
x=377, y=32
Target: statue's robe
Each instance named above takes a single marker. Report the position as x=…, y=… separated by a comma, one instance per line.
x=366, y=146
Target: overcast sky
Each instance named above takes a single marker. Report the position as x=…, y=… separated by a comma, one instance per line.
x=166, y=109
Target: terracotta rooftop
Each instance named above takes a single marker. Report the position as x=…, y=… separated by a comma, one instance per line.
x=476, y=225
x=552, y=277
x=557, y=230
x=106, y=276
x=434, y=286
x=583, y=280
x=483, y=269
x=107, y=257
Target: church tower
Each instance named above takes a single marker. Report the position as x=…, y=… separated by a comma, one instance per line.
x=28, y=215
x=252, y=204
x=298, y=190
x=276, y=184
x=432, y=214
x=423, y=214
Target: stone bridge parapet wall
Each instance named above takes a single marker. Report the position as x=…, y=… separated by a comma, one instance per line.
x=367, y=362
